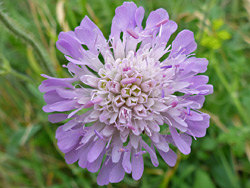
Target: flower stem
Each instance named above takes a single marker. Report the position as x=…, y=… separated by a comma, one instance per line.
x=21, y=76
x=169, y=174
x=28, y=39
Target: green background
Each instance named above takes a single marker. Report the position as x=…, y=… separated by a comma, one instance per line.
x=29, y=156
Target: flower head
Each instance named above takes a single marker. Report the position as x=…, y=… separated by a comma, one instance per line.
x=129, y=90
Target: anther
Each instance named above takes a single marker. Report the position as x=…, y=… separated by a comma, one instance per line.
x=162, y=22
x=174, y=104
x=133, y=33
x=166, y=67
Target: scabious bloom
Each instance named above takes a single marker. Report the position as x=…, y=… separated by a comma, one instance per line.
x=129, y=95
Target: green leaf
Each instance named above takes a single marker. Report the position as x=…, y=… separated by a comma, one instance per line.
x=202, y=179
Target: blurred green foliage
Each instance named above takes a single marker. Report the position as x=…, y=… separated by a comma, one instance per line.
x=214, y=38
x=28, y=153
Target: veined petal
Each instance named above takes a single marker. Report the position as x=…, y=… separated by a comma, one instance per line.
x=117, y=173
x=96, y=150
x=94, y=166
x=198, y=128
x=139, y=15
x=73, y=155
x=137, y=167
x=53, y=83
x=103, y=176
x=69, y=45
x=180, y=143
x=169, y=157
x=151, y=152
x=123, y=19
x=126, y=161
x=156, y=17
x=56, y=118
x=184, y=43
x=61, y=106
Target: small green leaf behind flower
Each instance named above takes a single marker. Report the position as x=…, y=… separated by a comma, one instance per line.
x=213, y=37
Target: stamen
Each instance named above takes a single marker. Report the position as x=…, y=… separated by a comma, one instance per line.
x=192, y=134
x=162, y=22
x=185, y=117
x=133, y=33
x=146, y=36
x=80, y=146
x=98, y=134
x=162, y=93
x=106, y=162
x=107, y=146
x=139, y=153
x=160, y=31
x=188, y=110
x=168, y=121
x=174, y=104
x=123, y=150
x=166, y=67
x=126, y=69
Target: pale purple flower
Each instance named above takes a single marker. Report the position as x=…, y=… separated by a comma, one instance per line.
x=132, y=93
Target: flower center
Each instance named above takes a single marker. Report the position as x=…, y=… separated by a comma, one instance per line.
x=130, y=88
